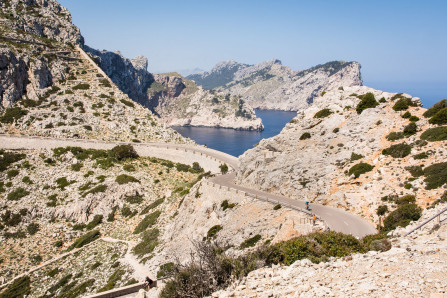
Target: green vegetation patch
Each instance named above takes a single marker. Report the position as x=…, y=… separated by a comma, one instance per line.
x=85, y=239
x=96, y=189
x=435, y=108
x=435, y=134
x=12, y=114
x=402, y=216
x=394, y=136
x=8, y=158
x=121, y=152
x=403, y=104
x=135, y=199
x=113, y=280
x=97, y=219
x=225, y=205
x=410, y=129
x=422, y=155
x=81, y=86
x=165, y=270
x=250, y=242
x=124, y=179
x=381, y=210
x=415, y=171
x=148, y=243
x=17, y=194
x=212, y=232
x=368, y=101
x=435, y=175
x=305, y=136
x=323, y=113
x=360, y=169
x=127, y=103
x=397, y=151
x=439, y=118
x=20, y=287
x=152, y=206
x=147, y=222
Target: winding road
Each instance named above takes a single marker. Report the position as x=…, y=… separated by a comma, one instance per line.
x=335, y=219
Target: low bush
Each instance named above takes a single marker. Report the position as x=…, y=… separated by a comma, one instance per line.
x=413, y=119
x=403, y=104
x=129, y=168
x=305, y=136
x=439, y=118
x=212, y=232
x=406, y=199
x=394, y=136
x=223, y=168
x=360, y=169
x=126, y=211
x=8, y=158
x=435, y=108
x=152, y=206
x=53, y=272
x=77, y=166
x=415, y=171
x=398, y=151
x=422, y=155
x=165, y=270
x=96, y=189
x=17, y=194
x=27, y=180
x=406, y=115
x=225, y=205
x=367, y=101
x=401, y=217
x=323, y=113
x=121, y=152
x=124, y=179
x=182, y=167
x=97, y=219
x=135, y=199
x=410, y=129
x=435, y=175
x=33, y=228
x=277, y=207
x=355, y=156
x=12, y=173
x=111, y=216
x=113, y=280
x=81, y=86
x=382, y=209
x=148, y=243
x=435, y=134
x=21, y=287
x=147, y=222
x=127, y=103
x=196, y=167
x=250, y=242
x=63, y=182
x=12, y=114
x=85, y=239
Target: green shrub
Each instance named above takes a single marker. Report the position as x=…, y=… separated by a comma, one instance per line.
x=382, y=100
x=406, y=115
x=336, y=130
x=435, y=134
x=410, y=129
x=79, y=227
x=406, y=199
x=360, y=169
x=414, y=119
x=113, y=280
x=96, y=189
x=152, y=206
x=415, y=171
x=401, y=217
x=439, y=118
x=124, y=179
x=8, y=158
x=355, y=156
x=182, y=167
x=367, y=101
x=27, y=180
x=397, y=151
x=250, y=242
x=225, y=205
x=147, y=222
x=323, y=113
x=53, y=272
x=63, y=182
x=129, y=168
x=165, y=270
x=403, y=104
x=81, y=86
x=76, y=167
x=196, y=167
x=121, y=152
x=21, y=287
x=33, y=228
x=88, y=127
x=12, y=114
x=127, y=103
x=305, y=136
x=277, y=207
x=382, y=209
x=97, y=219
x=148, y=243
x=135, y=199
x=126, y=211
x=212, y=232
x=394, y=136
x=435, y=108
x=223, y=168
x=17, y=194
x=422, y=155
x=435, y=175
x=95, y=265
x=111, y=216
x=58, y=243
x=85, y=239
x=12, y=173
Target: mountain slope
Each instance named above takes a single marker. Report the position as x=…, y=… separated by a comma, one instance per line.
x=270, y=85
x=331, y=154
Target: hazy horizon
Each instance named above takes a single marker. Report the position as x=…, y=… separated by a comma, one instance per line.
x=401, y=45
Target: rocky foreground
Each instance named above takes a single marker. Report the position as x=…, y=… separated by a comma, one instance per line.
x=414, y=267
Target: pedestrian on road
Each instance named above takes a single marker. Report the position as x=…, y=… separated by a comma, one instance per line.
x=314, y=218
x=149, y=282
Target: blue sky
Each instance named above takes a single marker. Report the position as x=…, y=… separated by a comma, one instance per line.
x=402, y=45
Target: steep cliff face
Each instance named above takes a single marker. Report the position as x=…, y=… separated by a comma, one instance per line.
x=270, y=85
x=131, y=76
x=180, y=102
x=313, y=158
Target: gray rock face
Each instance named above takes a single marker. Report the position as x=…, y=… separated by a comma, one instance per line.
x=42, y=75
x=13, y=77
x=270, y=85
x=45, y=18
x=131, y=76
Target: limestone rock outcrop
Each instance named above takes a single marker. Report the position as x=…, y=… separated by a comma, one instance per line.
x=271, y=85
x=13, y=77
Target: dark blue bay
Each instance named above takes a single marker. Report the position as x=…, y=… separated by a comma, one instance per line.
x=236, y=142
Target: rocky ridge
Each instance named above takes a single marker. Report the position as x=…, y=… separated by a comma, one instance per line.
x=270, y=85
x=312, y=157
x=415, y=266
